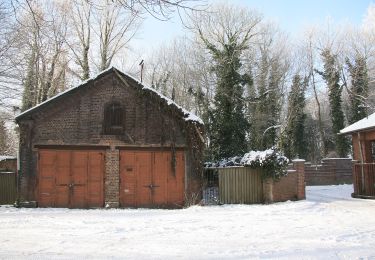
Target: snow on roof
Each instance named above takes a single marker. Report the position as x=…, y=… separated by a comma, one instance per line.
x=363, y=124
x=188, y=116
x=6, y=157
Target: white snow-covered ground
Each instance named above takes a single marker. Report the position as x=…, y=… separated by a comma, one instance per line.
x=328, y=225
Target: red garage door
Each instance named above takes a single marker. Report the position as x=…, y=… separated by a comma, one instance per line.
x=70, y=178
x=147, y=179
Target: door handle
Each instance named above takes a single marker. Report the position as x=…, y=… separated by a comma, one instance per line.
x=151, y=186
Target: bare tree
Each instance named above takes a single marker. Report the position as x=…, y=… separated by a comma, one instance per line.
x=80, y=41
x=311, y=59
x=161, y=9
x=115, y=29
x=181, y=71
x=53, y=62
x=43, y=30
x=10, y=89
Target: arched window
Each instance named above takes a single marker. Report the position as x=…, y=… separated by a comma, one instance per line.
x=113, y=119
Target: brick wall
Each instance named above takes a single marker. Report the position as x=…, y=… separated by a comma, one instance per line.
x=290, y=187
x=286, y=188
x=112, y=179
x=332, y=171
x=78, y=119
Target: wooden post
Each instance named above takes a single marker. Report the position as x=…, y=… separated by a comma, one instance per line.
x=362, y=162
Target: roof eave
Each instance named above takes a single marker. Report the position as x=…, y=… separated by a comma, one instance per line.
x=358, y=130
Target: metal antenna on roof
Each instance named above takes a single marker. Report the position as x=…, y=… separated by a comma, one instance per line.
x=141, y=64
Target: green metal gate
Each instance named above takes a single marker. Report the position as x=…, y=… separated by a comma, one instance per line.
x=8, y=188
x=240, y=185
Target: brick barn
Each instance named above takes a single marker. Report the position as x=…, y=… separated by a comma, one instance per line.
x=110, y=142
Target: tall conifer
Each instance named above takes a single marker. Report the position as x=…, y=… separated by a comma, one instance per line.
x=358, y=90
x=331, y=75
x=228, y=123
x=293, y=139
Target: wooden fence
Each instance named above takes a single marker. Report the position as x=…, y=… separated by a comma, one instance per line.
x=364, y=179
x=242, y=185
x=8, y=188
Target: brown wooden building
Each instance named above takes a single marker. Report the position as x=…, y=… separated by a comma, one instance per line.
x=363, y=138
x=113, y=142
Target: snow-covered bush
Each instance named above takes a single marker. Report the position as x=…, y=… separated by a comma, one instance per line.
x=226, y=162
x=271, y=161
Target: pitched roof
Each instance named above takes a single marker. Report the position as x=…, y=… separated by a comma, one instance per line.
x=187, y=116
x=361, y=125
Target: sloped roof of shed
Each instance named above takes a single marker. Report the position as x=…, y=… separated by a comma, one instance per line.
x=186, y=115
x=366, y=123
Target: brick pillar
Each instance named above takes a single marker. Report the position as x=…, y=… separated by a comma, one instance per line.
x=299, y=166
x=112, y=178
x=267, y=190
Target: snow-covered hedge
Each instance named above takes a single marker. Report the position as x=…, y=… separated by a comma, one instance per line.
x=226, y=162
x=273, y=163
x=271, y=160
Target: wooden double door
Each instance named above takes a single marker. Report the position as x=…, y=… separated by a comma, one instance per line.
x=152, y=178
x=70, y=178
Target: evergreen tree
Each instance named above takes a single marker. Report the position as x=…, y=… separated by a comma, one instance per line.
x=265, y=112
x=331, y=75
x=29, y=93
x=358, y=90
x=313, y=147
x=228, y=123
x=293, y=139
x=269, y=139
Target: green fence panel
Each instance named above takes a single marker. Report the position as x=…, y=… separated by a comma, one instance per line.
x=240, y=185
x=8, y=188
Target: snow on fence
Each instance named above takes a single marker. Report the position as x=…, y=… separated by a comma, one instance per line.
x=245, y=185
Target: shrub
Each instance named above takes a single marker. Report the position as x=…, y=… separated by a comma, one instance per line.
x=271, y=161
